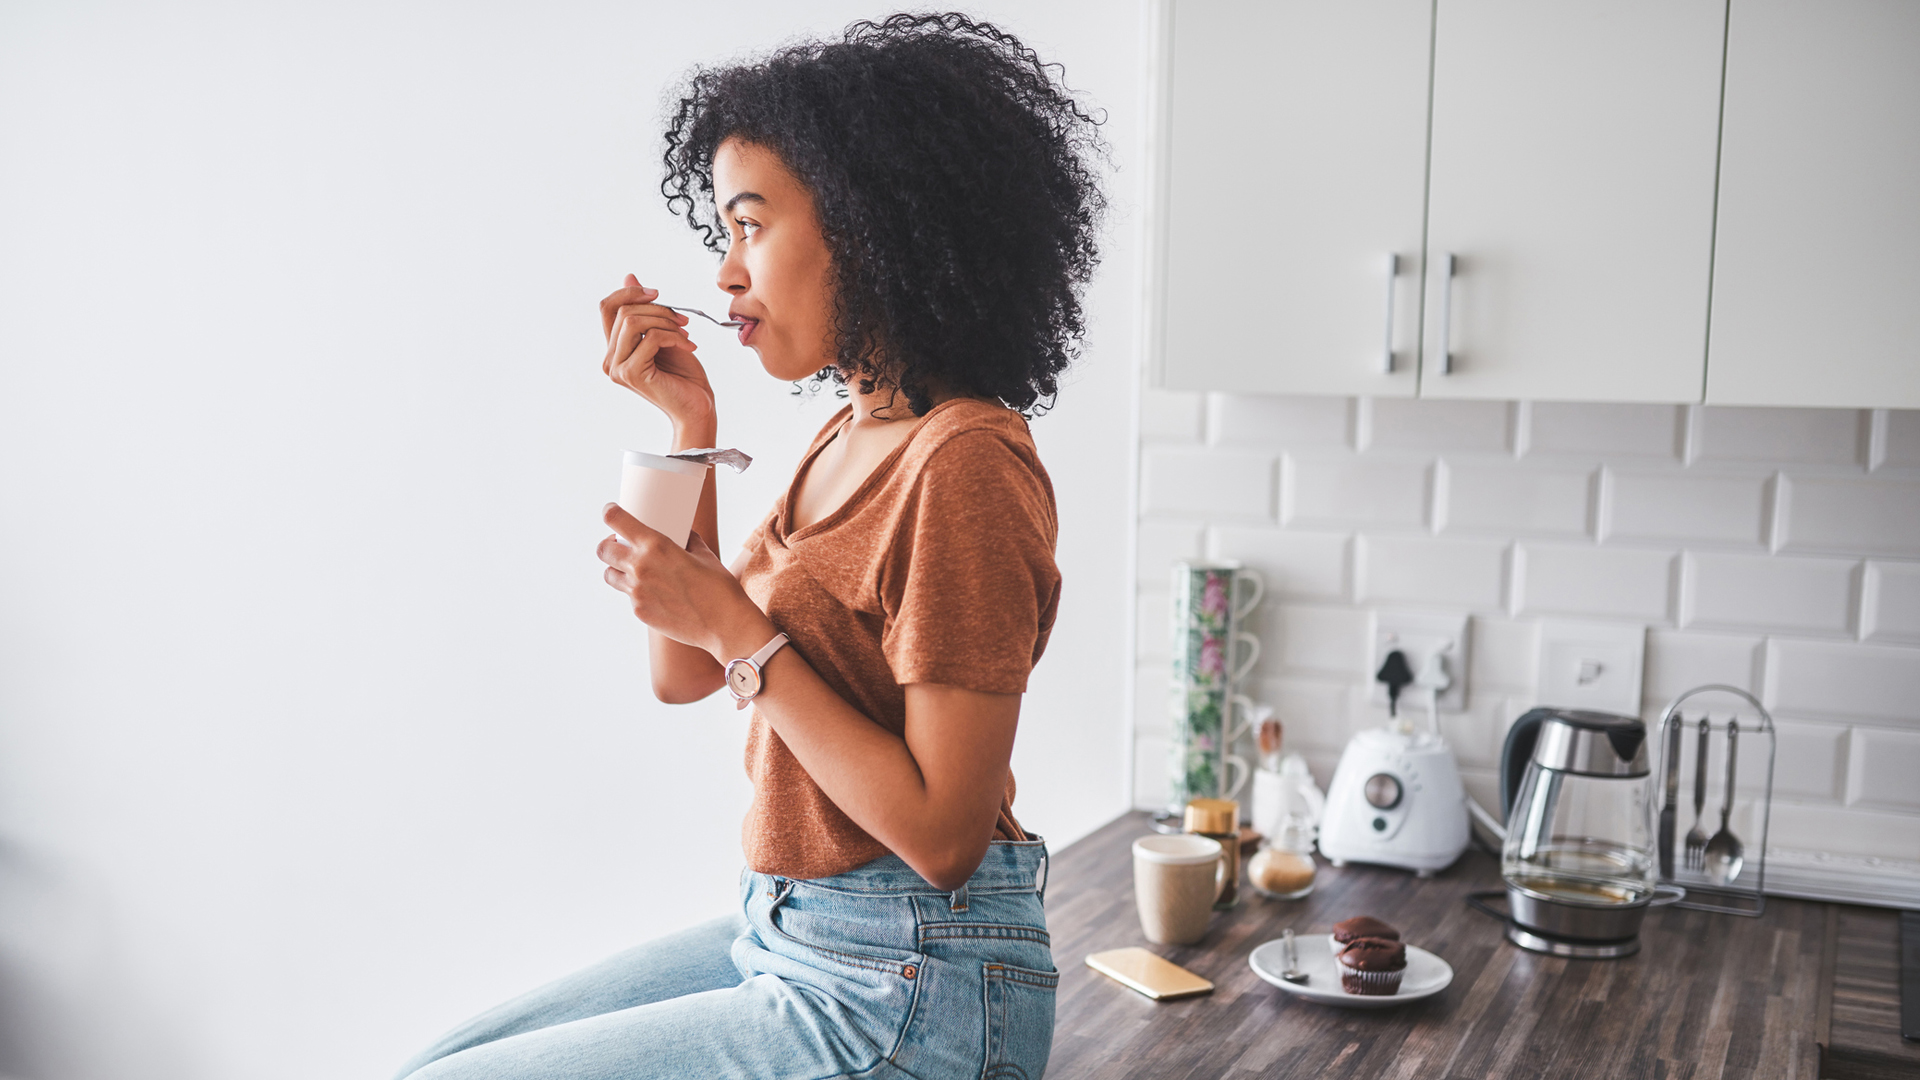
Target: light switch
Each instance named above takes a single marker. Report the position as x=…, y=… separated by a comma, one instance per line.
x=1592, y=666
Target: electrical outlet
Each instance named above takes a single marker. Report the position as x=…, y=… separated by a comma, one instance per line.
x=1420, y=635
x=1592, y=666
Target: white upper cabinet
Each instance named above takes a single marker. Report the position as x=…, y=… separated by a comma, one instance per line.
x=1816, y=292
x=1572, y=182
x=1296, y=140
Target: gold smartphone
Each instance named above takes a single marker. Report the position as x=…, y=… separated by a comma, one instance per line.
x=1138, y=969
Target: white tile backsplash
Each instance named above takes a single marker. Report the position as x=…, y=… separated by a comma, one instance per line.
x=1295, y=565
x=1892, y=602
x=1432, y=572
x=1813, y=436
x=1303, y=639
x=1902, y=449
x=1825, y=680
x=1163, y=543
x=1614, y=583
x=1807, y=593
x=1414, y=424
x=1679, y=661
x=1280, y=420
x=1342, y=489
x=1679, y=507
x=1786, y=593
x=1220, y=483
x=1867, y=516
x=1171, y=415
x=1886, y=770
x=1499, y=498
x=1606, y=431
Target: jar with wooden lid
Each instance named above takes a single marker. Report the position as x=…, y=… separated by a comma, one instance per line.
x=1219, y=819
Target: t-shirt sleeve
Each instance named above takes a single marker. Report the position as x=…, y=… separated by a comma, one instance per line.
x=969, y=585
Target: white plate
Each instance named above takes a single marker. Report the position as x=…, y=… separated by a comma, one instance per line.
x=1426, y=974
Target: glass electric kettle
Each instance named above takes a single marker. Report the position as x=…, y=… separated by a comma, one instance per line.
x=1579, y=854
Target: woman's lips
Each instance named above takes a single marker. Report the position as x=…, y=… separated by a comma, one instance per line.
x=747, y=330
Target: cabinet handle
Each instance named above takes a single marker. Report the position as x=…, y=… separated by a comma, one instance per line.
x=1446, y=315
x=1393, y=272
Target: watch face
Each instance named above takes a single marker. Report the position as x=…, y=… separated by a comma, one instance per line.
x=742, y=679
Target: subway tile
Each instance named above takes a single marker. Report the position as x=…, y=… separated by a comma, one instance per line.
x=1427, y=425
x=1281, y=420
x=1832, y=680
x=1903, y=439
x=1799, y=826
x=1312, y=712
x=1770, y=592
x=1809, y=761
x=1171, y=415
x=1504, y=652
x=1348, y=490
x=1813, y=436
x=1625, y=583
x=1885, y=770
x=1153, y=626
x=1609, y=431
x=1868, y=516
x=1210, y=483
x=1163, y=543
x=1892, y=591
x=1330, y=640
x=1435, y=572
x=1679, y=661
x=1295, y=565
x=1688, y=507
x=1517, y=500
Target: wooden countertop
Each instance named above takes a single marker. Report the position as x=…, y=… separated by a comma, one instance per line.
x=1706, y=996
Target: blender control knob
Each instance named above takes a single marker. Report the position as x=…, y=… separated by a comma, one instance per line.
x=1382, y=791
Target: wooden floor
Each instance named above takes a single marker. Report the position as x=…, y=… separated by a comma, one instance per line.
x=1707, y=996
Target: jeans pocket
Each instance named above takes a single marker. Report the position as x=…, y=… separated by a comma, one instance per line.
x=1019, y=1021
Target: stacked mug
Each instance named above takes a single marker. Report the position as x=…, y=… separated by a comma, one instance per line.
x=1210, y=655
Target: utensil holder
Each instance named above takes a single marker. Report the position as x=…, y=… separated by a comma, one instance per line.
x=1746, y=893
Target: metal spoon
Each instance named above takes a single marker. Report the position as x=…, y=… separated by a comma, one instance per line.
x=729, y=324
x=1293, y=974
x=1725, y=853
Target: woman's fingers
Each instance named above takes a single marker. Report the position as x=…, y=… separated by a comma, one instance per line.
x=631, y=293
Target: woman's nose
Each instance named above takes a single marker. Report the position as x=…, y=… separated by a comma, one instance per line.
x=732, y=276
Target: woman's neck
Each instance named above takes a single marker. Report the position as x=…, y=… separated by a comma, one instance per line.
x=887, y=405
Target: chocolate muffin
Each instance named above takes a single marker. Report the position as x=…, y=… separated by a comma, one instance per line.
x=1372, y=966
x=1363, y=926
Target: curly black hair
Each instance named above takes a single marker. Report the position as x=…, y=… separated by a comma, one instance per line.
x=955, y=185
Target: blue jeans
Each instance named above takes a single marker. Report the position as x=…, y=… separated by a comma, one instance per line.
x=870, y=973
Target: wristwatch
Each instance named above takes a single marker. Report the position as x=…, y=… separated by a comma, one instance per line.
x=744, y=680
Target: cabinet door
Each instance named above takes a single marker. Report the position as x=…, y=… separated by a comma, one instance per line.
x=1816, y=288
x=1297, y=135
x=1572, y=180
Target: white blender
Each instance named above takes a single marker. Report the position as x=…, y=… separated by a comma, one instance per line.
x=1396, y=797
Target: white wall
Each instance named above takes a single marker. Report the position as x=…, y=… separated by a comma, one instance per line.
x=318, y=730
x=1774, y=549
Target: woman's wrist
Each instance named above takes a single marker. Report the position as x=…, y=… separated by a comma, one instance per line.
x=695, y=433
x=742, y=635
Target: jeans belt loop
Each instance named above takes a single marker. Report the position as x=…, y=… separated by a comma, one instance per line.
x=1046, y=871
x=958, y=901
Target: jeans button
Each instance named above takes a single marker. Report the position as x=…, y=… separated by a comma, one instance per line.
x=910, y=971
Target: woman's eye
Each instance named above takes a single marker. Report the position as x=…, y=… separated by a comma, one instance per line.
x=747, y=228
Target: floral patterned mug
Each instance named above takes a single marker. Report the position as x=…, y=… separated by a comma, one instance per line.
x=1209, y=600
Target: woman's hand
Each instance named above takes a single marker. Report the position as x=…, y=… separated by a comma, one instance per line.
x=649, y=352
x=686, y=594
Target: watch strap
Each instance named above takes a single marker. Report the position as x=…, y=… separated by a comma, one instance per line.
x=766, y=651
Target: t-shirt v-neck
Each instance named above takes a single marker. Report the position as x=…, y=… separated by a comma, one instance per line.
x=937, y=568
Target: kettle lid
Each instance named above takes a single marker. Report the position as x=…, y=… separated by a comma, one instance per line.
x=1592, y=744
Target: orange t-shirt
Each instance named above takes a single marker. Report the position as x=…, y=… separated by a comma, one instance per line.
x=938, y=569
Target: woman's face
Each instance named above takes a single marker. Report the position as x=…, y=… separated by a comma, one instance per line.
x=777, y=270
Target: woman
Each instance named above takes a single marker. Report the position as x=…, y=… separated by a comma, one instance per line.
x=908, y=212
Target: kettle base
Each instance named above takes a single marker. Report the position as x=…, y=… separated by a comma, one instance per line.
x=1576, y=950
